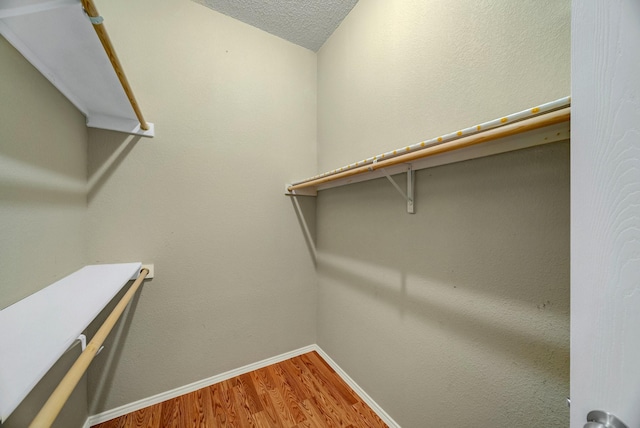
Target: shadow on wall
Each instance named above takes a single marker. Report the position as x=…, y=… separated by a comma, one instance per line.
x=485, y=258
x=498, y=223
x=108, y=150
x=73, y=414
x=305, y=208
x=46, y=189
x=461, y=311
x=29, y=183
x=25, y=182
x=102, y=369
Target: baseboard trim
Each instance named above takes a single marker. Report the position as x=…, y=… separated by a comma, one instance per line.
x=358, y=390
x=159, y=398
x=163, y=396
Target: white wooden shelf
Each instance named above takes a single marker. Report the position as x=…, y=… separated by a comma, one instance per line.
x=36, y=331
x=57, y=37
x=537, y=137
x=544, y=124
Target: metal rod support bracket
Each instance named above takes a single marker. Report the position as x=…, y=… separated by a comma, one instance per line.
x=409, y=196
x=302, y=192
x=95, y=20
x=83, y=341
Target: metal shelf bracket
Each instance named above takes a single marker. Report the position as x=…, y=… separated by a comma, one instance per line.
x=409, y=196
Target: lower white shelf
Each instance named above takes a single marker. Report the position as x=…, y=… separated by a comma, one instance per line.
x=36, y=331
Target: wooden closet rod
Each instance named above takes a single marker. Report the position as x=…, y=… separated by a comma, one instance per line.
x=101, y=31
x=51, y=409
x=546, y=119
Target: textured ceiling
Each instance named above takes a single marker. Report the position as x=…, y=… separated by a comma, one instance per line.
x=307, y=23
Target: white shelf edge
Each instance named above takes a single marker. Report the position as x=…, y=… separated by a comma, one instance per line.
x=36, y=331
x=127, y=126
x=537, y=137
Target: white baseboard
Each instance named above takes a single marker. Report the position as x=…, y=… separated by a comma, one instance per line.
x=159, y=398
x=363, y=395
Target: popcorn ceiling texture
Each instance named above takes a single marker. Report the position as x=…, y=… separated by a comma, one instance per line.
x=305, y=23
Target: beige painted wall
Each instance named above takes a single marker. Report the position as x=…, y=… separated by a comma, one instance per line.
x=235, y=116
x=459, y=335
x=42, y=180
x=401, y=71
x=42, y=204
x=459, y=313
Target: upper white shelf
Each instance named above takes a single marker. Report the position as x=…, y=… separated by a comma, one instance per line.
x=37, y=330
x=543, y=124
x=57, y=37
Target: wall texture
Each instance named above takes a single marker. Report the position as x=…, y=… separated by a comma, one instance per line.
x=235, y=116
x=42, y=202
x=398, y=72
x=459, y=313
x=460, y=310
x=42, y=180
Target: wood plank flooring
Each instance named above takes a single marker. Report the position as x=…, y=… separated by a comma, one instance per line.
x=302, y=392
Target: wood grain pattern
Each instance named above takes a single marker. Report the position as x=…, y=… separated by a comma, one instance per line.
x=605, y=209
x=302, y=392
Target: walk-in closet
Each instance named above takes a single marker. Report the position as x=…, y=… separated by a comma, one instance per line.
x=359, y=213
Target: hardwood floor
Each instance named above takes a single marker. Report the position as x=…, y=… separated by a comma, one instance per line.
x=300, y=392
